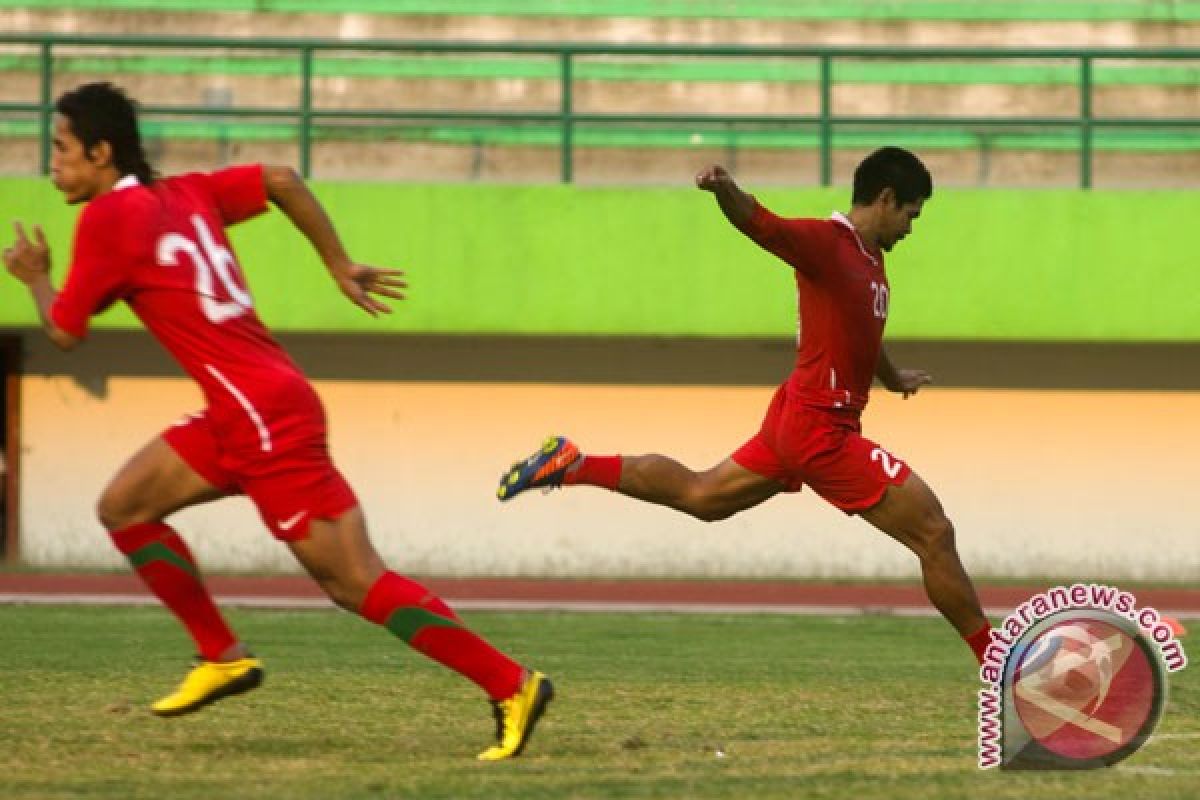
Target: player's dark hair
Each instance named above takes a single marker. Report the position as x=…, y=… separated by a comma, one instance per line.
x=892, y=168
x=102, y=112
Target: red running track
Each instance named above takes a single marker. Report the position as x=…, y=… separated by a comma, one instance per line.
x=681, y=595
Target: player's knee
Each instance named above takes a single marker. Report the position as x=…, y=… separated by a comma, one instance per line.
x=115, y=512
x=935, y=535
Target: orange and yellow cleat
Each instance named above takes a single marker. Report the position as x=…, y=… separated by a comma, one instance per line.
x=544, y=469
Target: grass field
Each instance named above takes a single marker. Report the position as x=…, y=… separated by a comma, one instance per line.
x=861, y=707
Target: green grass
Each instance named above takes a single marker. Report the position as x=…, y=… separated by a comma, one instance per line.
x=864, y=707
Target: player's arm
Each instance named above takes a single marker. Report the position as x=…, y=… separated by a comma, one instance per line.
x=361, y=283
x=736, y=205
x=29, y=262
x=798, y=242
x=903, y=381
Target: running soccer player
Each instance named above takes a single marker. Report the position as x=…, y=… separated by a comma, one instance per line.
x=812, y=433
x=159, y=244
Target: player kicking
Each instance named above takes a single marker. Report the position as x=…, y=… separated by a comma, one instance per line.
x=812, y=433
x=160, y=245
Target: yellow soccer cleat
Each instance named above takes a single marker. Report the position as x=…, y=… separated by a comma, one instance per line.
x=516, y=717
x=210, y=681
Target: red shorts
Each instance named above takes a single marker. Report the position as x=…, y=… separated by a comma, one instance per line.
x=823, y=448
x=290, y=487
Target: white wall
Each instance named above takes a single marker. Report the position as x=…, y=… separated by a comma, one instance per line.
x=1078, y=484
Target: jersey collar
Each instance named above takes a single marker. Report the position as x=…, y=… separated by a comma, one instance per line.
x=126, y=182
x=842, y=219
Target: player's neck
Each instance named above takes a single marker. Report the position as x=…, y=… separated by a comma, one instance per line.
x=106, y=179
x=866, y=225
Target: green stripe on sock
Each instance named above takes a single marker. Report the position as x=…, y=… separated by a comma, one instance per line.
x=157, y=551
x=408, y=622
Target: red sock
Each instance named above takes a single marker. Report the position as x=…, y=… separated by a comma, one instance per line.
x=162, y=559
x=604, y=471
x=412, y=612
x=979, y=641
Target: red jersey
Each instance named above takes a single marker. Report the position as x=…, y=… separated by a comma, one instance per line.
x=162, y=249
x=843, y=304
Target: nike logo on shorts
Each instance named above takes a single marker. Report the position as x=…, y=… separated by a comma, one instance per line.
x=291, y=522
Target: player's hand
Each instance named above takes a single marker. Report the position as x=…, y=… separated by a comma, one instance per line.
x=908, y=381
x=364, y=285
x=713, y=178
x=28, y=260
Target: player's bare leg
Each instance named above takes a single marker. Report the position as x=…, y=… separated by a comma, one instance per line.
x=912, y=515
x=712, y=495
x=339, y=555
x=152, y=485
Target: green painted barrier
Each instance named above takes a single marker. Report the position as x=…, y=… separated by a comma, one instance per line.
x=706, y=136
x=568, y=260
x=942, y=72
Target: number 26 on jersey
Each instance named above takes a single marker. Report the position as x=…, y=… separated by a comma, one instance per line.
x=214, y=263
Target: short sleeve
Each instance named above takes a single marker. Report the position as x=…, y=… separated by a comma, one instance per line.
x=802, y=243
x=240, y=192
x=99, y=271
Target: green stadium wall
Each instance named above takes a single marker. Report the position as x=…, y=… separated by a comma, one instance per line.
x=568, y=260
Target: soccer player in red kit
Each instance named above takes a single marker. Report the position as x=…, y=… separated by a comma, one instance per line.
x=160, y=245
x=812, y=433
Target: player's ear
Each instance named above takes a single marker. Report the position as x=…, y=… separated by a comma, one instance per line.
x=101, y=153
x=887, y=198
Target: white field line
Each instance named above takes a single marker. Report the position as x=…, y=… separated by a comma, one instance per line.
x=1138, y=769
x=1166, y=737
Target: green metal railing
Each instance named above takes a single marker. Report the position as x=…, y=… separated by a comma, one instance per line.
x=305, y=115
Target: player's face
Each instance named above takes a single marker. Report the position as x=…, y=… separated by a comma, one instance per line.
x=898, y=222
x=78, y=177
